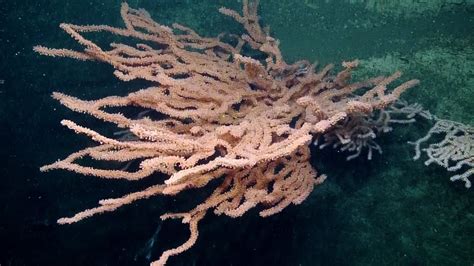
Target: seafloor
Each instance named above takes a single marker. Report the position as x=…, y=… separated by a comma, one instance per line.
x=387, y=211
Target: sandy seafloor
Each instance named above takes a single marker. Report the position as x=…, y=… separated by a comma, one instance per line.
x=387, y=211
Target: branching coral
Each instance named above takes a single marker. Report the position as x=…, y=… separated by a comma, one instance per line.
x=454, y=152
x=224, y=115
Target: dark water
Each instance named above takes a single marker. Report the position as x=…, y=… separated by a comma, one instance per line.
x=388, y=211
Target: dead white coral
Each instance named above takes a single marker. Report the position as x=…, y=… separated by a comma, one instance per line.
x=359, y=131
